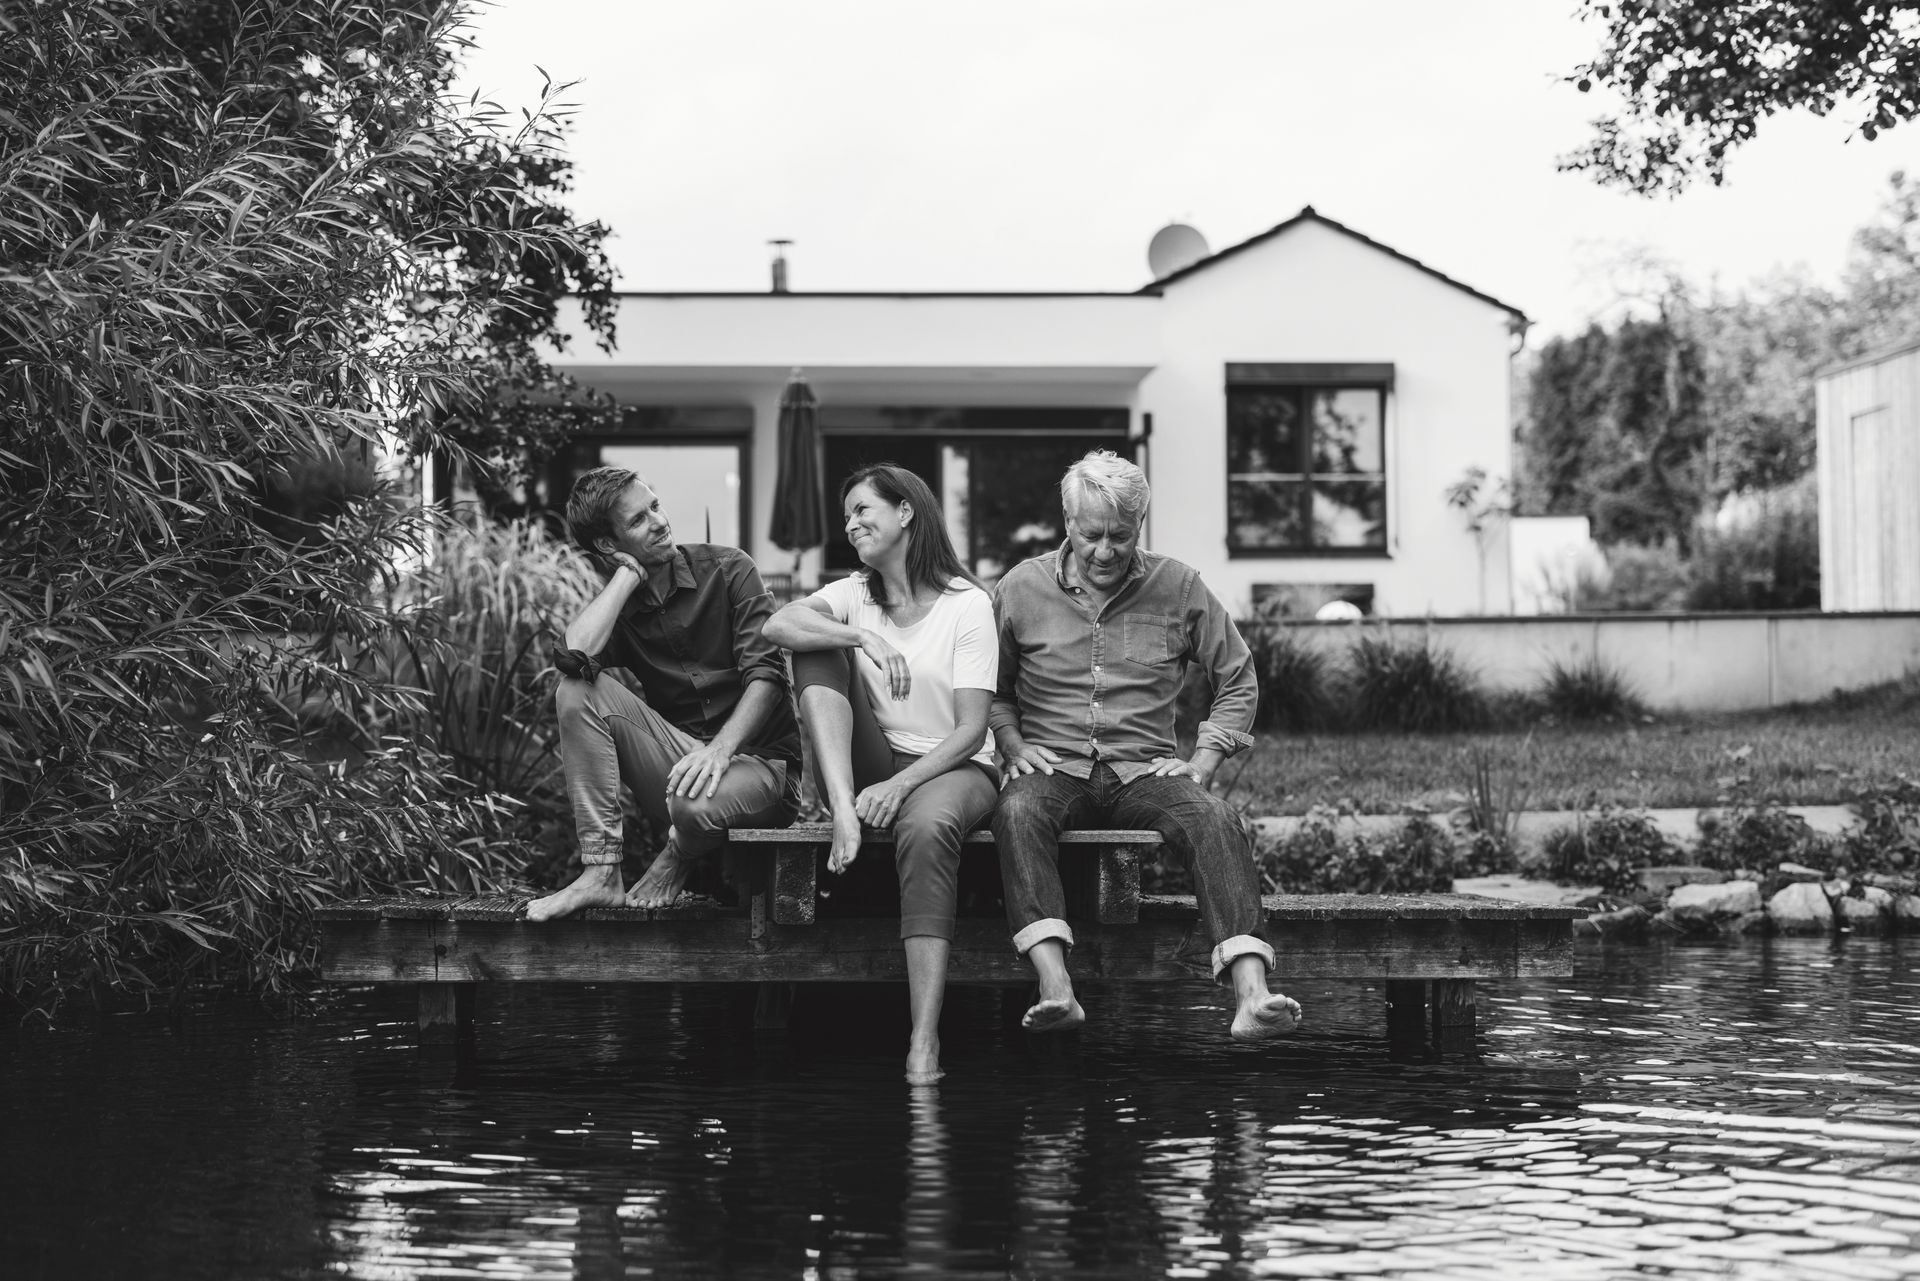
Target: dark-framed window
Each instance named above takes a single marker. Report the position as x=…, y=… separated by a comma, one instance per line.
x=698, y=458
x=1307, y=460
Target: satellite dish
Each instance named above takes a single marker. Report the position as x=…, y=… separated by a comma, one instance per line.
x=1175, y=247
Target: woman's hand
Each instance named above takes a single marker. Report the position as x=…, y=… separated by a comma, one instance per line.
x=880, y=804
x=890, y=661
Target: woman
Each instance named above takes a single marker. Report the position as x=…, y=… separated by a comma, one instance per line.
x=895, y=668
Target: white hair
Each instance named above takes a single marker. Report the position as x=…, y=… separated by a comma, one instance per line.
x=1111, y=479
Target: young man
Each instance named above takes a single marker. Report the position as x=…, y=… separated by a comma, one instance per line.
x=1095, y=641
x=714, y=745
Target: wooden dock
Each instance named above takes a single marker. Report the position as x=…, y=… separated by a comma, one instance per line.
x=1428, y=949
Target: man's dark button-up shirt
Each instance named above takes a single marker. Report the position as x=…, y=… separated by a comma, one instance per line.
x=696, y=652
x=1100, y=683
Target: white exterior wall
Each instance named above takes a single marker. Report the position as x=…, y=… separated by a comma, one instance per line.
x=1868, y=442
x=1314, y=294
x=1309, y=294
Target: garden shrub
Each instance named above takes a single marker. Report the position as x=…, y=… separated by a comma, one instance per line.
x=1419, y=687
x=1299, y=681
x=1316, y=858
x=1639, y=580
x=1759, y=837
x=1770, y=561
x=248, y=249
x=1885, y=834
x=1607, y=848
x=1587, y=689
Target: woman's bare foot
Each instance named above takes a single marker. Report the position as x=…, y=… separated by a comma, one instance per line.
x=1265, y=1018
x=923, y=1063
x=846, y=837
x=665, y=877
x=1054, y=1014
x=598, y=885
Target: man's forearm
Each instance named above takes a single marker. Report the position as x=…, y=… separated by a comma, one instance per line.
x=1204, y=761
x=590, y=631
x=757, y=702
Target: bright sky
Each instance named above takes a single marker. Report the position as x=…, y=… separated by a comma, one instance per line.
x=1039, y=144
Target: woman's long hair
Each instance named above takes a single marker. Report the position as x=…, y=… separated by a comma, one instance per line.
x=931, y=560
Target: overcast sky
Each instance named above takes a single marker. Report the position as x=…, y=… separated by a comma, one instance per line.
x=1038, y=144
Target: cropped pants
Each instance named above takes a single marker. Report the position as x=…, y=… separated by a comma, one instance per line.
x=934, y=816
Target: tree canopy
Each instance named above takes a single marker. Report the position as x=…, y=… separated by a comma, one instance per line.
x=1698, y=76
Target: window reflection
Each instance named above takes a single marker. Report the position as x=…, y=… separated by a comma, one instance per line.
x=1306, y=468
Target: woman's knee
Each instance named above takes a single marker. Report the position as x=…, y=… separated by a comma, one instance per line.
x=824, y=669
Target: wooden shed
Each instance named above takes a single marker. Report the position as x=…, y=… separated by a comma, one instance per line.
x=1868, y=414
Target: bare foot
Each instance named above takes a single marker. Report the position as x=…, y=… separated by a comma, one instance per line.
x=846, y=838
x=1266, y=1018
x=923, y=1064
x=598, y=885
x=1055, y=1014
x=665, y=877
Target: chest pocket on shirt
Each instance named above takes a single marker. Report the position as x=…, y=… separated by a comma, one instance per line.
x=1152, y=639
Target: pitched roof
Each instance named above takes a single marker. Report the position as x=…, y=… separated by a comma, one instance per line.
x=1307, y=214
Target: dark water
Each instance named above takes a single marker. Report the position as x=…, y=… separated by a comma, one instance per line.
x=1748, y=1110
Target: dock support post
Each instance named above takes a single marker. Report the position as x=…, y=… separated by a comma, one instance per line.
x=446, y=1012
x=1454, y=1022
x=1406, y=1017
x=773, y=1007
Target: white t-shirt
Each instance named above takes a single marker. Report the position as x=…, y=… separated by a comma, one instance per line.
x=954, y=647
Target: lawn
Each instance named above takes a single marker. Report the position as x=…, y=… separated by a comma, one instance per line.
x=1819, y=754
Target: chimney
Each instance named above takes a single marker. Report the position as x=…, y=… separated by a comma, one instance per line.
x=780, y=265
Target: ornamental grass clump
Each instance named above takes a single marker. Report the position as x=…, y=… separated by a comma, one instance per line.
x=1299, y=681
x=248, y=249
x=1588, y=690
x=1420, y=688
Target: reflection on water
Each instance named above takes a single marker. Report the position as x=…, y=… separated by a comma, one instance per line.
x=1744, y=1109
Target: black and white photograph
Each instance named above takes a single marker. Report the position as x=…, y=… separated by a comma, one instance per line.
x=1027, y=639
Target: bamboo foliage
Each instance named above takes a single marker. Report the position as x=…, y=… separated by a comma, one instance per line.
x=236, y=241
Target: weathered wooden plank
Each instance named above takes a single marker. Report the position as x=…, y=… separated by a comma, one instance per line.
x=1323, y=907
x=1453, y=1017
x=822, y=833
x=736, y=948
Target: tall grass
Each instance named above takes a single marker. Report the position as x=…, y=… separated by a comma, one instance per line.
x=1588, y=689
x=1299, y=681
x=1419, y=687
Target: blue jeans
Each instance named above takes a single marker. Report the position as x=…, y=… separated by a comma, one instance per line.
x=1198, y=827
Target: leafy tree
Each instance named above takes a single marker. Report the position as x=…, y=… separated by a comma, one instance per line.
x=1882, y=302
x=240, y=243
x=1698, y=76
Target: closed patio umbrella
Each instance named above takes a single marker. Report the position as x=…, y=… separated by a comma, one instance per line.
x=799, y=500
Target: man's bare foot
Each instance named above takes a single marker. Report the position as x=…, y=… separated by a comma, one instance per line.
x=923, y=1063
x=598, y=885
x=846, y=837
x=665, y=877
x=1265, y=1018
x=1054, y=1014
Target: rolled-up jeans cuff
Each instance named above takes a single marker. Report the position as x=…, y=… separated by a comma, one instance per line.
x=1040, y=931
x=601, y=853
x=1231, y=950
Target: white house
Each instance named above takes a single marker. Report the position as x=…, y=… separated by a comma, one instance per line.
x=1301, y=402
x=1867, y=416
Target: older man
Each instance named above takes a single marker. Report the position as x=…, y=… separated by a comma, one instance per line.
x=1095, y=641
x=714, y=745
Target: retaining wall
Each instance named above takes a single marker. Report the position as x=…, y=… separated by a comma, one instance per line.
x=1675, y=662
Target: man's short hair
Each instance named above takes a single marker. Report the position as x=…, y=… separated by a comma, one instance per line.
x=590, y=508
x=1109, y=478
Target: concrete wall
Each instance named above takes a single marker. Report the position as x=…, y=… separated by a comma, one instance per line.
x=1315, y=294
x=1675, y=662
